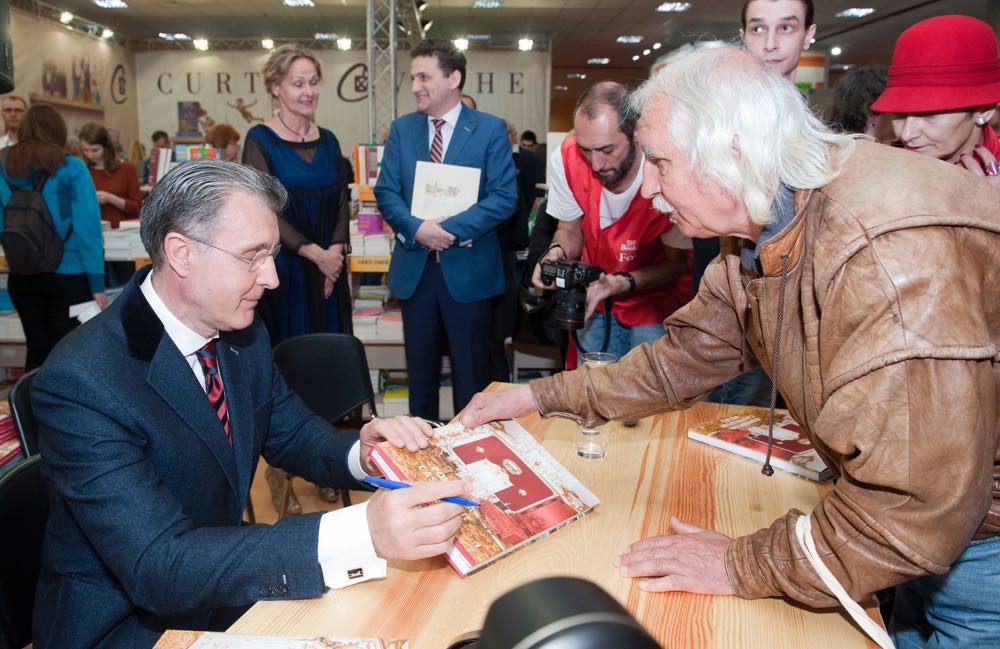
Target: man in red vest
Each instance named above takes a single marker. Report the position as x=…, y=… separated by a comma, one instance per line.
x=605, y=221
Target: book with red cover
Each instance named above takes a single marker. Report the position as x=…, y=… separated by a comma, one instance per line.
x=745, y=433
x=524, y=493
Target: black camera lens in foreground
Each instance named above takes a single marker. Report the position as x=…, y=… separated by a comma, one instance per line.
x=572, y=279
x=561, y=613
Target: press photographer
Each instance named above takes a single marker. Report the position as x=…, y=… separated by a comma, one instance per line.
x=605, y=222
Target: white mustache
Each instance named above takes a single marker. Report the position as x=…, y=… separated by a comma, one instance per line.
x=662, y=205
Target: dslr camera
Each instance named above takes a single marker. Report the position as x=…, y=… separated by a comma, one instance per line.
x=571, y=279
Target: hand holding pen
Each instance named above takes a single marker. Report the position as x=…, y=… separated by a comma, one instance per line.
x=416, y=522
x=392, y=484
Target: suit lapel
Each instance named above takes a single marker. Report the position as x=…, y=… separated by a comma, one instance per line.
x=464, y=129
x=241, y=420
x=421, y=137
x=171, y=377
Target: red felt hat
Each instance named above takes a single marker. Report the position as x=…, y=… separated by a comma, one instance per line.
x=942, y=63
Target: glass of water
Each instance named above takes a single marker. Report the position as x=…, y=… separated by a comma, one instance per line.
x=592, y=443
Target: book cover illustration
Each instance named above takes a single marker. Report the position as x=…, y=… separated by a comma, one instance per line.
x=525, y=494
x=745, y=433
x=215, y=640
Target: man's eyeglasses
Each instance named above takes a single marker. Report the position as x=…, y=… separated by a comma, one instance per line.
x=253, y=263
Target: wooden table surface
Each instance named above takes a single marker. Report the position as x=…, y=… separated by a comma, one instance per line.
x=652, y=472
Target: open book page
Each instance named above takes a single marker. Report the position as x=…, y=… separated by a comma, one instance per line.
x=441, y=190
x=745, y=433
x=524, y=492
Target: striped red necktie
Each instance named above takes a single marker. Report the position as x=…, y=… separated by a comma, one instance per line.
x=437, y=146
x=213, y=385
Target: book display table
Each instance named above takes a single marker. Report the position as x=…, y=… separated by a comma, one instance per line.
x=651, y=472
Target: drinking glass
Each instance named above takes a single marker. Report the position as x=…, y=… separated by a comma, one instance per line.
x=592, y=442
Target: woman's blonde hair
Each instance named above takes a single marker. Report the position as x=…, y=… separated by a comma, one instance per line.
x=280, y=61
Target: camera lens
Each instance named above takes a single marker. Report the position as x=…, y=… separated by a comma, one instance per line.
x=571, y=305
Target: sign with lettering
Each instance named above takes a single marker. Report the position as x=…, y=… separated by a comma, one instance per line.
x=228, y=87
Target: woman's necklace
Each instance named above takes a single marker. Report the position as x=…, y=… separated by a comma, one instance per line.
x=292, y=130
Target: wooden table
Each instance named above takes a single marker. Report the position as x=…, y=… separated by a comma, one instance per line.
x=652, y=472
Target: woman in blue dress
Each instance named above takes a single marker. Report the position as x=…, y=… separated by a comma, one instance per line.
x=313, y=295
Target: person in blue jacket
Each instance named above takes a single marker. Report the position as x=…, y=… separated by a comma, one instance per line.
x=42, y=301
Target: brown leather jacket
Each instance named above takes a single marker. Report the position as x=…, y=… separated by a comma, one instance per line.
x=889, y=359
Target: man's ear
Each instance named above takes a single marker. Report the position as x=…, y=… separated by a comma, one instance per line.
x=810, y=35
x=454, y=79
x=178, y=252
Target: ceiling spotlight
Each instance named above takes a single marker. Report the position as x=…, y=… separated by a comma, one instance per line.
x=674, y=7
x=836, y=51
x=200, y=44
x=525, y=44
x=635, y=57
x=560, y=88
x=657, y=46
x=66, y=17
x=267, y=43
x=576, y=75
x=601, y=61
x=461, y=44
x=111, y=4
x=298, y=3
x=646, y=52
x=344, y=43
x=426, y=24
x=107, y=33
x=421, y=5
x=855, y=12
x=812, y=41
x=629, y=39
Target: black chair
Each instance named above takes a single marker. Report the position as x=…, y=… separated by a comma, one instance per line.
x=19, y=398
x=330, y=374
x=24, y=508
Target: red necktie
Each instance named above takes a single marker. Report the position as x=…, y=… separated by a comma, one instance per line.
x=213, y=385
x=437, y=146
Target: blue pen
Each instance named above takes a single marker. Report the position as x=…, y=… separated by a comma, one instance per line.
x=392, y=484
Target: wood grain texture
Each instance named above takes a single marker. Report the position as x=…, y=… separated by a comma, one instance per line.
x=652, y=472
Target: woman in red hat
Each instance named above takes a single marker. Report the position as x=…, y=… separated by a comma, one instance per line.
x=943, y=88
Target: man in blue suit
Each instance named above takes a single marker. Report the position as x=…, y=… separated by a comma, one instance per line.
x=152, y=418
x=445, y=270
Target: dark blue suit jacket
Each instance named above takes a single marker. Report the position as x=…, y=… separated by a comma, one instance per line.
x=472, y=267
x=147, y=495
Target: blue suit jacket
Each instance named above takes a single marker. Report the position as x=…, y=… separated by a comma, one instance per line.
x=147, y=495
x=472, y=267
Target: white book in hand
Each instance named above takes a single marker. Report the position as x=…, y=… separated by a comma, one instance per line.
x=745, y=433
x=441, y=190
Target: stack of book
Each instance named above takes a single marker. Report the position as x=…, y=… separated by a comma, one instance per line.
x=160, y=162
x=11, y=330
x=10, y=445
x=377, y=245
x=365, y=321
x=389, y=325
x=395, y=399
x=123, y=244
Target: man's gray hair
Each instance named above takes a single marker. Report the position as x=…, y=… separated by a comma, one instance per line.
x=724, y=97
x=189, y=199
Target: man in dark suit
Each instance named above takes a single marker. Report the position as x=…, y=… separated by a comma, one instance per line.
x=152, y=418
x=445, y=270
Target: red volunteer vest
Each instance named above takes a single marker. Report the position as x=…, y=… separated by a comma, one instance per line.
x=631, y=242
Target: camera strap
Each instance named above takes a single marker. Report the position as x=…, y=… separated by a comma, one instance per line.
x=608, y=301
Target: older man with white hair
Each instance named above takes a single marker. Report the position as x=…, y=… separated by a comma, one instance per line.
x=866, y=281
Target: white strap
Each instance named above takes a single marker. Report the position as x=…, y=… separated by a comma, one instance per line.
x=803, y=532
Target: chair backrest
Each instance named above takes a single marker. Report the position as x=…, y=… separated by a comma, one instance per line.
x=24, y=508
x=19, y=398
x=328, y=371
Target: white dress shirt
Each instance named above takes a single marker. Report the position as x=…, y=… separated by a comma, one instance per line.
x=450, y=121
x=345, y=551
